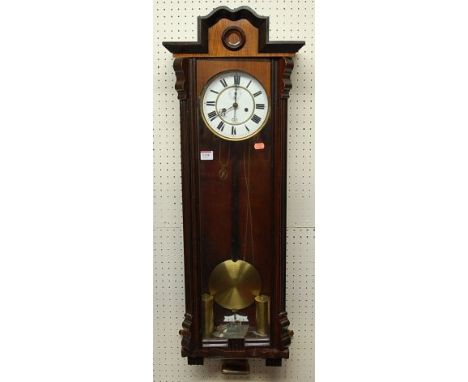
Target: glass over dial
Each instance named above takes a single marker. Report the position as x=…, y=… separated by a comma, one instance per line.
x=234, y=105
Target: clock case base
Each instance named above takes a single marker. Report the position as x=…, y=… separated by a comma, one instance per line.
x=275, y=362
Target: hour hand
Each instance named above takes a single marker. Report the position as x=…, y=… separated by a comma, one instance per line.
x=224, y=110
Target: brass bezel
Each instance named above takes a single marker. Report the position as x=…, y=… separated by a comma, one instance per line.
x=200, y=106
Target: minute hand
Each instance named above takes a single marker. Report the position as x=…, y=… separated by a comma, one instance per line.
x=235, y=103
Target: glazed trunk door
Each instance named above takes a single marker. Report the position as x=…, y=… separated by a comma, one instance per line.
x=236, y=183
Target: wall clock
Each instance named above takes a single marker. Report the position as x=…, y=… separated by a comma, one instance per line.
x=233, y=85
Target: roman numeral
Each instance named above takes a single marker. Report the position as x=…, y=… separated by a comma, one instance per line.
x=210, y=103
x=257, y=93
x=223, y=81
x=237, y=79
x=212, y=116
x=220, y=127
x=247, y=128
x=256, y=118
x=260, y=106
x=248, y=84
x=233, y=130
x=214, y=91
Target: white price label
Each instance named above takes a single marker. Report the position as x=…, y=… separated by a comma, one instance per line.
x=206, y=155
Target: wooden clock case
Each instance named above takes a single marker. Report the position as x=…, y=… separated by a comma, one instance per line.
x=213, y=212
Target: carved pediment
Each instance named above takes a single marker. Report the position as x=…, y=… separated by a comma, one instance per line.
x=233, y=33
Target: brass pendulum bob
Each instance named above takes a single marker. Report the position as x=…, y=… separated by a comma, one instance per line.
x=234, y=284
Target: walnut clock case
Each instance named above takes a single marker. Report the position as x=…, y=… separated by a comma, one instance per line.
x=233, y=85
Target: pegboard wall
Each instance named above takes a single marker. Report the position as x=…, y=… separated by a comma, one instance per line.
x=177, y=20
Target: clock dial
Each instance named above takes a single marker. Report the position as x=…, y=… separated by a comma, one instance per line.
x=234, y=105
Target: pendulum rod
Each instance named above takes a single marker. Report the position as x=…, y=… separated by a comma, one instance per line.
x=235, y=242
x=248, y=235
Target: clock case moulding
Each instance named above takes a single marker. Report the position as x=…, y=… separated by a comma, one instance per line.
x=256, y=48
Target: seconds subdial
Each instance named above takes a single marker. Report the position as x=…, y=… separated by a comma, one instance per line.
x=232, y=104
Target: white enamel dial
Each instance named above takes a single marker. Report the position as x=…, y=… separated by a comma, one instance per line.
x=234, y=105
